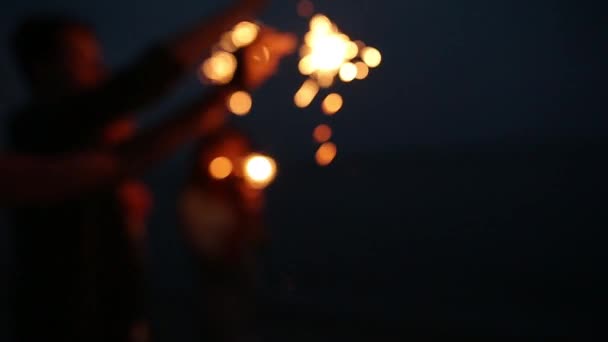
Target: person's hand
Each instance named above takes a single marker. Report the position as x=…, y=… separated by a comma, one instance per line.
x=261, y=59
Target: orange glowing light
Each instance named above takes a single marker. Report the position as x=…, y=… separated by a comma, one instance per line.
x=362, y=70
x=352, y=50
x=260, y=170
x=348, y=72
x=306, y=94
x=320, y=23
x=220, y=168
x=240, y=103
x=325, y=80
x=322, y=133
x=220, y=67
x=328, y=52
x=244, y=33
x=326, y=153
x=371, y=56
x=332, y=104
x=327, y=48
x=305, y=66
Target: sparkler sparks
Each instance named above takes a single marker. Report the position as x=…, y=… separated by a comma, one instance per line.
x=306, y=93
x=240, y=103
x=362, y=70
x=260, y=170
x=348, y=72
x=371, y=56
x=220, y=67
x=326, y=153
x=220, y=168
x=244, y=33
x=332, y=104
x=328, y=54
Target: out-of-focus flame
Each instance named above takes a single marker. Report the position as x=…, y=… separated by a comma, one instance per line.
x=327, y=53
x=326, y=153
x=239, y=103
x=371, y=56
x=220, y=67
x=332, y=104
x=220, y=168
x=244, y=33
x=352, y=50
x=306, y=93
x=305, y=66
x=327, y=48
x=325, y=79
x=348, y=72
x=322, y=133
x=259, y=170
x=362, y=70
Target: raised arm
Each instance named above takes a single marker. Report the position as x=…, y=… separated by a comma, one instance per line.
x=29, y=180
x=147, y=79
x=42, y=180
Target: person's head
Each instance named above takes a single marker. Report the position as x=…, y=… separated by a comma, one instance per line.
x=58, y=55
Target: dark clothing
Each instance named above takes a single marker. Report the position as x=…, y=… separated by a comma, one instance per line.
x=75, y=122
x=225, y=237
x=77, y=272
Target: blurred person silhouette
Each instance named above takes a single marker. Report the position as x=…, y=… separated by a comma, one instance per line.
x=78, y=275
x=221, y=217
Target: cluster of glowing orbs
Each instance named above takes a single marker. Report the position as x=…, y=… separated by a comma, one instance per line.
x=325, y=49
x=220, y=67
x=258, y=170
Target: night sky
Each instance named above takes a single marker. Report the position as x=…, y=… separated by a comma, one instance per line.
x=450, y=154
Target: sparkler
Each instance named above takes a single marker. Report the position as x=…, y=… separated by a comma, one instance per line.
x=258, y=170
x=221, y=66
x=326, y=55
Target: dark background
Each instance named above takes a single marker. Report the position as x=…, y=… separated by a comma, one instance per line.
x=468, y=196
